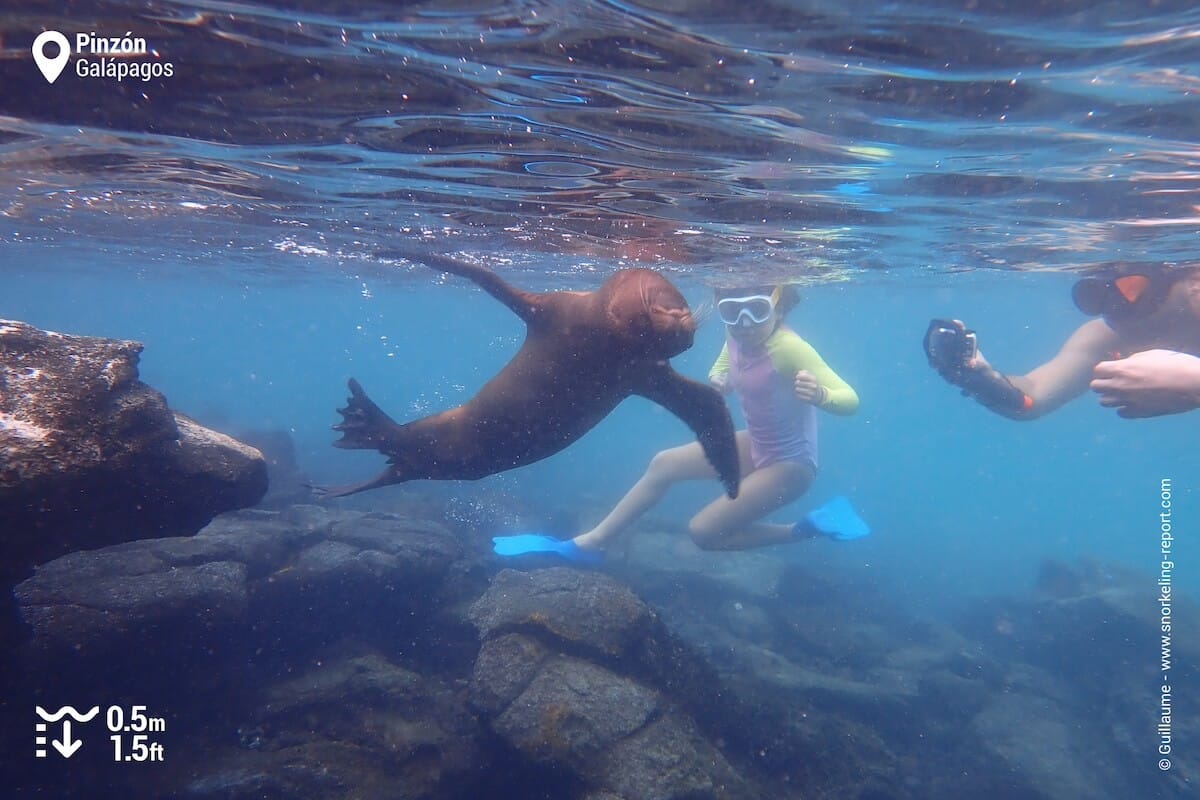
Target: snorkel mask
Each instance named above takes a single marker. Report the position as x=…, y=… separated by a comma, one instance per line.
x=1123, y=297
x=752, y=309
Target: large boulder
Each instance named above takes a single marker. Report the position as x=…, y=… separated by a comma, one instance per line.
x=91, y=456
x=357, y=726
x=311, y=651
x=578, y=676
x=244, y=575
x=1085, y=652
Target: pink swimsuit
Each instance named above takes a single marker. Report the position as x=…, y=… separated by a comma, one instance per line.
x=782, y=426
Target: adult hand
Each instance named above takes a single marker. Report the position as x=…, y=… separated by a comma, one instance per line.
x=807, y=388
x=951, y=349
x=1149, y=384
x=979, y=363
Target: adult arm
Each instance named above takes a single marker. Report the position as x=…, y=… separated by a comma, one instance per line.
x=1067, y=375
x=949, y=346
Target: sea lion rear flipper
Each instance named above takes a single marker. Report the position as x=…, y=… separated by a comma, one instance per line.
x=523, y=304
x=385, y=478
x=364, y=425
x=705, y=412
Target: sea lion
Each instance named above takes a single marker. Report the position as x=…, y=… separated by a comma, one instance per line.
x=584, y=352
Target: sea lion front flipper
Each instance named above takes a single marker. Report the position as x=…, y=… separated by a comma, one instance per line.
x=705, y=412
x=524, y=304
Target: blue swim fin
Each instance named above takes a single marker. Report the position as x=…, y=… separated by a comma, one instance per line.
x=836, y=519
x=526, y=543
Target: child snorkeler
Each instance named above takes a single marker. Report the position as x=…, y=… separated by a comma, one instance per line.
x=780, y=381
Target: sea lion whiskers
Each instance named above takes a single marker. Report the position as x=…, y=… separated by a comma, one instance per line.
x=702, y=312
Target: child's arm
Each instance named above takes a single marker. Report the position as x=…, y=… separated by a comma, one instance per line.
x=795, y=357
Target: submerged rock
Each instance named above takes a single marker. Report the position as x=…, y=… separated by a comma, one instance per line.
x=288, y=483
x=360, y=726
x=579, y=675
x=586, y=609
x=323, y=652
x=90, y=455
x=302, y=652
x=1084, y=652
x=247, y=571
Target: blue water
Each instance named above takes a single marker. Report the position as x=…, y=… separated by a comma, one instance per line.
x=898, y=160
x=963, y=503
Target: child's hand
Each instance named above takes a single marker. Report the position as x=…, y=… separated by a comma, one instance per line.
x=807, y=388
x=720, y=383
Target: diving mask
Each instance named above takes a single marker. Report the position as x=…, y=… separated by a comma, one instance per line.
x=1122, y=297
x=753, y=309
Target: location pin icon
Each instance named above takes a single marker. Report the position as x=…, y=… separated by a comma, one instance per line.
x=51, y=67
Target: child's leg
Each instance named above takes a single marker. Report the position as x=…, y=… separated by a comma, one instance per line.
x=667, y=467
x=726, y=524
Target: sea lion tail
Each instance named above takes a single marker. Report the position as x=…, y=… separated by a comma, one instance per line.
x=364, y=425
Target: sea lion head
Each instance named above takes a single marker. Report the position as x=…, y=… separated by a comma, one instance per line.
x=649, y=312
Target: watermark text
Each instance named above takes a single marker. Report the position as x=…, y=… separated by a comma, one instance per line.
x=1166, y=571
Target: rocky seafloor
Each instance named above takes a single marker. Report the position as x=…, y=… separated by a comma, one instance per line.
x=323, y=652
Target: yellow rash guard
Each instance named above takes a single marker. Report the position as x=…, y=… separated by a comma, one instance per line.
x=782, y=426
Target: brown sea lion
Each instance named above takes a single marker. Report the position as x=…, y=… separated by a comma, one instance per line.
x=584, y=352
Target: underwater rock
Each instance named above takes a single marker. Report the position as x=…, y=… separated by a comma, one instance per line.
x=840, y=693
x=374, y=549
x=504, y=667
x=578, y=675
x=360, y=726
x=91, y=456
x=589, y=610
x=287, y=483
x=307, y=652
x=75, y=601
x=246, y=571
x=1081, y=654
x=670, y=759
x=1040, y=744
x=572, y=711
